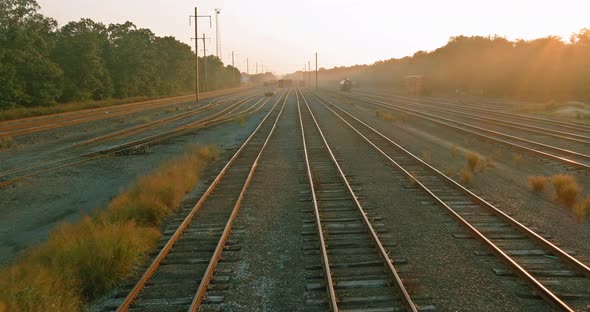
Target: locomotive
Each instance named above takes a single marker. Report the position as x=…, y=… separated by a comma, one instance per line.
x=345, y=85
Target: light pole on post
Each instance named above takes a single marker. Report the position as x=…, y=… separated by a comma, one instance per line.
x=196, y=17
x=316, y=70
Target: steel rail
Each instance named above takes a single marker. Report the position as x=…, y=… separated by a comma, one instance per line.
x=138, y=287
x=127, y=146
x=504, y=123
x=567, y=125
x=131, y=144
x=208, y=275
x=45, y=122
x=405, y=296
x=545, y=293
x=434, y=118
x=115, y=135
x=332, y=300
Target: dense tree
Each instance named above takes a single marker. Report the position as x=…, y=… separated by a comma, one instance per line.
x=41, y=63
x=27, y=75
x=80, y=50
x=543, y=69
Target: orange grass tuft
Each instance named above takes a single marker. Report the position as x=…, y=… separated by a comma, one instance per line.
x=567, y=189
x=537, y=183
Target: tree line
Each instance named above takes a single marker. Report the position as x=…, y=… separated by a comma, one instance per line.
x=43, y=64
x=543, y=69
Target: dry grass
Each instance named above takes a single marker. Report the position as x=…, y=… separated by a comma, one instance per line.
x=582, y=209
x=466, y=176
x=473, y=159
x=81, y=261
x=537, y=183
x=6, y=142
x=449, y=172
x=386, y=116
x=156, y=195
x=567, y=189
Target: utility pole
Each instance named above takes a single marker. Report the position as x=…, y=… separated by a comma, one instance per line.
x=217, y=38
x=316, y=70
x=303, y=73
x=196, y=60
x=309, y=74
x=196, y=16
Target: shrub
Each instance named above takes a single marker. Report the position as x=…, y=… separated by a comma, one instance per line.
x=582, y=209
x=567, y=189
x=448, y=172
x=473, y=160
x=537, y=183
x=466, y=175
x=487, y=163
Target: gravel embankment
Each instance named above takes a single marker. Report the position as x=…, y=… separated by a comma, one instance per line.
x=270, y=273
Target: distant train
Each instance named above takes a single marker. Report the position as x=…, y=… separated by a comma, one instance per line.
x=345, y=85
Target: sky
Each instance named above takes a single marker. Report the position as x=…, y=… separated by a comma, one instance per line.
x=285, y=35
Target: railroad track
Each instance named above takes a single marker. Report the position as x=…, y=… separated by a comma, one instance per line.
x=42, y=123
x=356, y=271
x=552, y=273
x=181, y=276
x=460, y=111
x=489, y=111
x=567, y=157
x=127, y=132
x=67, y=160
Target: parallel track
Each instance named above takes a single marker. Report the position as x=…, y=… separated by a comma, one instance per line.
x=566, y=157
x=42, y=123
x=550, y=271
x=353, y=257
x=178, y=277
x=502, y=114
x=463, y=111
x=83, y=156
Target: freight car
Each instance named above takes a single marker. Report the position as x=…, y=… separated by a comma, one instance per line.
x=345, y=85
x=416, y=85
